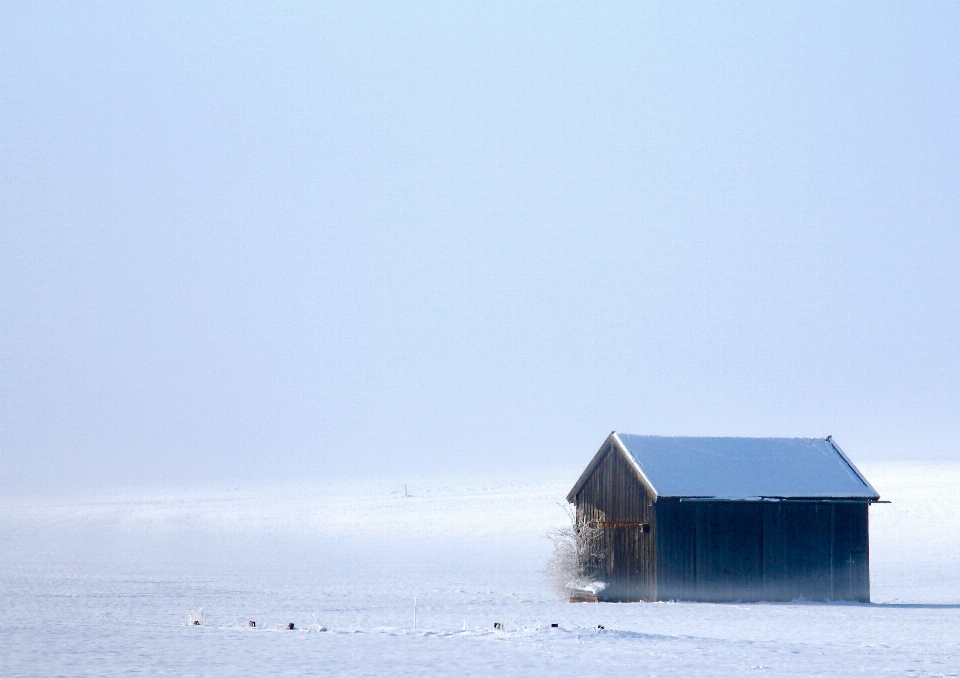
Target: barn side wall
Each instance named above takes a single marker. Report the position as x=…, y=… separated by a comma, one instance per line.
x=816, y=551
x=614, y=500
x=778, y=551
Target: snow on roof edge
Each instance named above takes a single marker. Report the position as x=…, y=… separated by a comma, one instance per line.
x=636, y=466
x=832, y=487
x=853, y=468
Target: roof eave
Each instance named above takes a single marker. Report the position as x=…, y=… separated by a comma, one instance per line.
x=856, y=471
x=641, y=476
x=591, y=467
x=613, y=441
x=849, y=499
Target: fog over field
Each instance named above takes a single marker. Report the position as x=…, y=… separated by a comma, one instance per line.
x=107, y=582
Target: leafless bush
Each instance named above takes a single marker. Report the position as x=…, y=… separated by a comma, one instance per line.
x=577, y=548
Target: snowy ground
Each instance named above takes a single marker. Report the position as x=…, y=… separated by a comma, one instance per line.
x=103, y=584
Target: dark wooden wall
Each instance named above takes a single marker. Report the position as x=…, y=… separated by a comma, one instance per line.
x=722, y=551
x=787, y=550
x=816, y=551
x=615, y=500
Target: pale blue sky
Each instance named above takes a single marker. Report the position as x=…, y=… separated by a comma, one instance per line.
x=290, y=240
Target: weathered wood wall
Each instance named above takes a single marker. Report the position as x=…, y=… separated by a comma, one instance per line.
x=788, y=550
x=614, y=500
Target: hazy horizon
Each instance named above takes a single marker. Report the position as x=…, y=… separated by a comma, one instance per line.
x=245, y=242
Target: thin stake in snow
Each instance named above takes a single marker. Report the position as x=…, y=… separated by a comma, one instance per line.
x=414, y=609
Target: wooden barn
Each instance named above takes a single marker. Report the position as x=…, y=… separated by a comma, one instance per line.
x=726, y=519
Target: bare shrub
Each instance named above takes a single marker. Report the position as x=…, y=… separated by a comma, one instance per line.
x=577, y=550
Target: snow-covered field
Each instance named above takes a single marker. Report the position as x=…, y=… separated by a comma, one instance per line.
x=105, y=583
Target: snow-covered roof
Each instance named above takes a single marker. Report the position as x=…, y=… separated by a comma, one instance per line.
x=740, y=468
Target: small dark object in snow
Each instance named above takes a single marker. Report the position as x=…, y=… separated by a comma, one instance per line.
x=253, y=624
x=599, y=627
x=497, y=625
x=196, y=622
x=554, y=626
x=290, y=626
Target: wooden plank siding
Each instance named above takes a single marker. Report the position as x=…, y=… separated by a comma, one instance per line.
x=721, y=550
x=816, y=551
x=676, y=549
x=749, y=550
x=614, y=500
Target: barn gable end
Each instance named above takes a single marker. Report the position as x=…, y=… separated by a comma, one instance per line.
x=613, y=497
